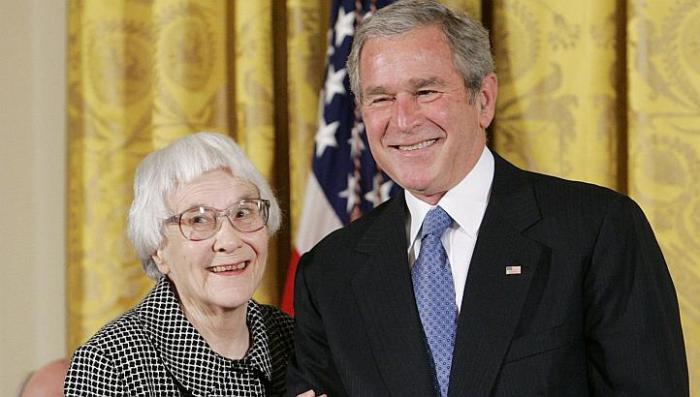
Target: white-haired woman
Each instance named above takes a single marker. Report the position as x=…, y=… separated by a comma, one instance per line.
x=200, y=222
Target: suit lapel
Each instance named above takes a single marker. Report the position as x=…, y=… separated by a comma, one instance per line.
x=492, y=299
x=383, y=289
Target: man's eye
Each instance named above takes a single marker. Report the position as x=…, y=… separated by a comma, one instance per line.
x=427, y=94
x=379, y=100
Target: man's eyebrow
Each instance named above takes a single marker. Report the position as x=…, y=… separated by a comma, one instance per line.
x=415, y=84
x=431, y=81
x=376, y=90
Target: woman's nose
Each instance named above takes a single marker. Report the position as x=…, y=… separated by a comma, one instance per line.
x=227, y=238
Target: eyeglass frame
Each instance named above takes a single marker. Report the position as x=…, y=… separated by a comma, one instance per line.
x=263, y=208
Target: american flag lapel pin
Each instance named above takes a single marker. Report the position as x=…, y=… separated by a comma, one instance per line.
x=513, y=270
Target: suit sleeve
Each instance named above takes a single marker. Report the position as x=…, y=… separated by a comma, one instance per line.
x=311, y=366
x=92, y=373
x=634, y=342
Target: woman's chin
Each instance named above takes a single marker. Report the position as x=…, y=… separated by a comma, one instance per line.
x=231, y=297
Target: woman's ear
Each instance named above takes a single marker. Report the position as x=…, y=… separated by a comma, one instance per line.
x=160, y=262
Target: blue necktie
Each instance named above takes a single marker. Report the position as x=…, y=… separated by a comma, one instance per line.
x=435, y=295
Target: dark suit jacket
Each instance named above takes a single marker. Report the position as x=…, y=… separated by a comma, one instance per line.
x=593, y=313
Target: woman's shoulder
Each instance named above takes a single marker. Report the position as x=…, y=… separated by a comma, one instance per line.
x=278, y=326
x=122, y=333
x=96, y=365
x=279, y=330
x=274, y=318
x=118, y=360
x=130, y=328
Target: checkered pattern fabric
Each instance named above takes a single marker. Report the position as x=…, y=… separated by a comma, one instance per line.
x=435, y=295
x=153, y=350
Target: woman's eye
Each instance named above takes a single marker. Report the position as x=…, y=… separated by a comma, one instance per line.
x=200, y=220
x=243, y=212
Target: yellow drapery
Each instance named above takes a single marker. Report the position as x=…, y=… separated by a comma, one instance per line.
x=663, y=165
x=601, y=91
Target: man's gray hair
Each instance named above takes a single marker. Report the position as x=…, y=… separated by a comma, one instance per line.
x=162, y=171
x=467, y=38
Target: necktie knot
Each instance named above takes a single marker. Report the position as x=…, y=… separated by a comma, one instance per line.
x=436, y=222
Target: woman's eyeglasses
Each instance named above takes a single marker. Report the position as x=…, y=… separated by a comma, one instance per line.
x=200, y=223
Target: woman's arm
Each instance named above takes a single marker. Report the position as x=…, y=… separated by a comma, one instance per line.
x=92, y=373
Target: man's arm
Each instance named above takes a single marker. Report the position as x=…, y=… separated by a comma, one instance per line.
x=634, y=341
x=311, y=366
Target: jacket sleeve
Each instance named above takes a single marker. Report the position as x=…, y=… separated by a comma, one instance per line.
x=311, y=366
x=634, y=342
x=92, y=373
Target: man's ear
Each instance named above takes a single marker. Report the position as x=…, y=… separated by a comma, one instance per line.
x=487, y=99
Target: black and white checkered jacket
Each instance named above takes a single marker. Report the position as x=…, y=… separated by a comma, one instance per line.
x=153, y=350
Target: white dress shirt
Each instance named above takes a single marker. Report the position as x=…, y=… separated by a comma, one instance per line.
x=466, y=204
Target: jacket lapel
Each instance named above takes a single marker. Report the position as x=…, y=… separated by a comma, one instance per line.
x=492, y=299
x=383, y=289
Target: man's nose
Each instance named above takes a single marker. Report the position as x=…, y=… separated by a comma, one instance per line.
x=406, y=112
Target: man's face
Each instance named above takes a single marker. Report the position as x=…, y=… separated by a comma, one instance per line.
x=422, y=129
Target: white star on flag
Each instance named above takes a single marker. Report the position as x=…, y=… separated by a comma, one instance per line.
x=334, y=83
x=355, y=141
x=325, y=136
x=344, y=26
x=378, y=196
x=350, y=192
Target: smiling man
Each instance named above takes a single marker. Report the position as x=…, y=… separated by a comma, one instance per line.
x=481, y=279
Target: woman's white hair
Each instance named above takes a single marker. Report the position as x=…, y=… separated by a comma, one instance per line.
x=162, y=171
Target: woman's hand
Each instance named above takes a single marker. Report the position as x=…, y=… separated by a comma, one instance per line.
x=311, y=393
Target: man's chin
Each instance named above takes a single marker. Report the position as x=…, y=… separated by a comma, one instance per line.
x=425, y=192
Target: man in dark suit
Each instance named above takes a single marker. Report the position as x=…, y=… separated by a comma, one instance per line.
x=538, y=287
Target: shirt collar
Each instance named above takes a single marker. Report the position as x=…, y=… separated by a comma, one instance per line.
x=463, y=202
x=179, y=343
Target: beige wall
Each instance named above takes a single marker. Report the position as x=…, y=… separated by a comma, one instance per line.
x=32, y=174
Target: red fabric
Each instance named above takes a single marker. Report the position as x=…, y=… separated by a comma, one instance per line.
x=287, y=304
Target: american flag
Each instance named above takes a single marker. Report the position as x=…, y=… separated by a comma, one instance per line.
x=345, y=182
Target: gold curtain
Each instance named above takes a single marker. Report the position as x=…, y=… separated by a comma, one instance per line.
x=602, y=91
x=556, y=114
x=306, y=48
x=253, y=63
x=663, y=50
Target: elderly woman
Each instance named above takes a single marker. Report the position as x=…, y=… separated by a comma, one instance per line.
x=200, y=221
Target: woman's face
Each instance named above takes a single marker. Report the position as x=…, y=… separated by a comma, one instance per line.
x=220, y=273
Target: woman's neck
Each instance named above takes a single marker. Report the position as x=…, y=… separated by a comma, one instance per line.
x=226, y=331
